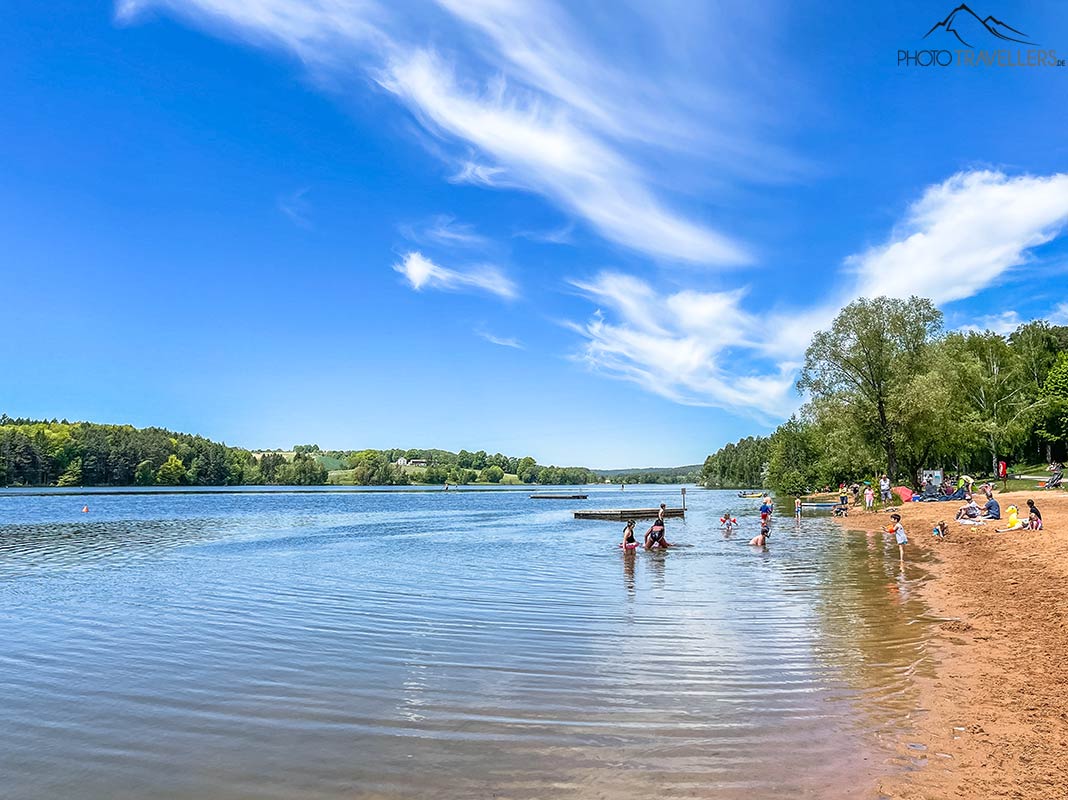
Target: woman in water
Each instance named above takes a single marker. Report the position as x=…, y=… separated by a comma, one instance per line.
x=629, y=542
x=654, y=537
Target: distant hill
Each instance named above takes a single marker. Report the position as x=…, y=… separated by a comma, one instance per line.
x=686, y=474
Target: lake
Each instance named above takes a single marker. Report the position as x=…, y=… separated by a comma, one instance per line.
x=460, y=644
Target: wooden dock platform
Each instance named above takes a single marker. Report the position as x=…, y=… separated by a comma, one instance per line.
x=630, y=513
x=559, y=496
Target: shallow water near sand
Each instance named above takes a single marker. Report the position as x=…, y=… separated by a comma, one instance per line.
x=455, y=645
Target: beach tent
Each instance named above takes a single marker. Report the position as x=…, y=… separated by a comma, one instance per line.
x=904, y=492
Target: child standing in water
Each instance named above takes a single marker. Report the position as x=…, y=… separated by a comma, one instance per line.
x=899, y=534
x=797, y=508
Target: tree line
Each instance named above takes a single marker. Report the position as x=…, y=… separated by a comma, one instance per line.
x=380, y=468
x=888, y=390
x=61, y=453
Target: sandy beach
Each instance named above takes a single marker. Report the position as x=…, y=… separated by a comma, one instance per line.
x=995, y=716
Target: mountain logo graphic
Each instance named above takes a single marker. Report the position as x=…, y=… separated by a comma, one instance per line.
x=968, y=27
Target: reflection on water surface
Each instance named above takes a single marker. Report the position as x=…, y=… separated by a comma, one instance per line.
x=449, y=645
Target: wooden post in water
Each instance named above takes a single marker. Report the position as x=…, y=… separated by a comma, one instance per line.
x=683, y=498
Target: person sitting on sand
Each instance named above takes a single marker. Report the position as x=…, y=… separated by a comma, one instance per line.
x=1033, y=509
x=654, y=537
x=969, y=510
x=629, y=542
x=940, y=531
x=1015, y=523
x=992, y=509
x=1034, y=522
x=761, y=539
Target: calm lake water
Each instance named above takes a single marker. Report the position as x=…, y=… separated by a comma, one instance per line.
x=446, y=645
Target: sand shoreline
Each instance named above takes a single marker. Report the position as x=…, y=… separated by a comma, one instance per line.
x=995, y=721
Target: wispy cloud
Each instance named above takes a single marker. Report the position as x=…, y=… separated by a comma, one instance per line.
x=1059, y=315
x=500, y=341
x=561, y=235
x=536, y=102
x=706, y=348
x=296, y=207
x=445, y=230
x=964, y=234
x=422, y=273
x=1003, y=323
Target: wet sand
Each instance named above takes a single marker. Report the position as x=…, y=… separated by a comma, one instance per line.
x=995, y=719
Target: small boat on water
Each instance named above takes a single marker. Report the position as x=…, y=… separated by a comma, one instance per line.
x=750, y=495
x=559, y=496
x=823, y=506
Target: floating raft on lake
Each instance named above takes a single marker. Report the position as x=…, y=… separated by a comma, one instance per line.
x=630, y=513
x=559, y=496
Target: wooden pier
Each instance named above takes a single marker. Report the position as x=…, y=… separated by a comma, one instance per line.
x=559, y=496
x=630, y=513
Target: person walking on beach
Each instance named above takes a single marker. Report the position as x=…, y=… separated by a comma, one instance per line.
x=869, y=499
x=899, y=535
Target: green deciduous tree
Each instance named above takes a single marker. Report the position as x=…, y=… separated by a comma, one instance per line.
x=868, y=355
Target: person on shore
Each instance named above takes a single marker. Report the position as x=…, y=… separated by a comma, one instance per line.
x=1034, y=522
x=992, y=509
x=761, y=539
x=940, y=531
x=797, y=508
x=843, y=495
x=884, y=490
x=969, y=510
x=900, y=536
x=630, y=544
x=869, y=499
x=855, y=491
x=1033, y=509
x=654, y=537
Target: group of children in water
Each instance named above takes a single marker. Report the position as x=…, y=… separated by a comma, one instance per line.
x=655, y=536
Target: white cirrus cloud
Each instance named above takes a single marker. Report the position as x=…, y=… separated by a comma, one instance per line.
x=705, y=348
x=529, y=97
x=1059, y=315
x=963, y=234
x=1004, y=323
x=500, y=341
x=422, y=273
x=444, y=229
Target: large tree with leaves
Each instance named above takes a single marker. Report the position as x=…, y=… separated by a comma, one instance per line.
x=869, y=354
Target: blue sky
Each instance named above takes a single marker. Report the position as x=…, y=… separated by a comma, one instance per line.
x=599, y=234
